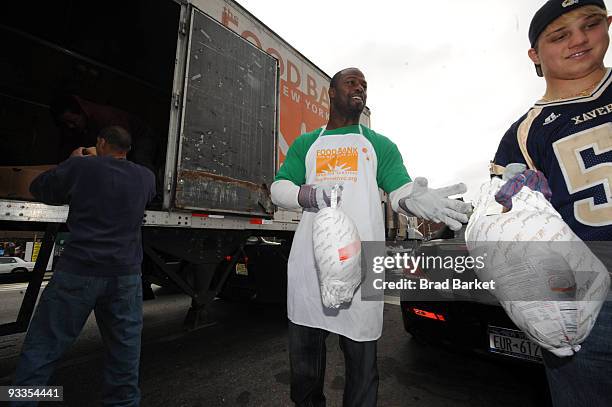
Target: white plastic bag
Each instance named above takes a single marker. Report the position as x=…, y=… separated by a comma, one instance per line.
x=337, y=252
x=552, y=287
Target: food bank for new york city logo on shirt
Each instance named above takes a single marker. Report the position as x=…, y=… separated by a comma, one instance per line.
x=337, y=164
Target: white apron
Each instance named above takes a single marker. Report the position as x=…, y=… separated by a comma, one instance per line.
x=351, y=160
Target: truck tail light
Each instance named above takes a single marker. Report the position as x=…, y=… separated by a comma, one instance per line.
x=244, y=259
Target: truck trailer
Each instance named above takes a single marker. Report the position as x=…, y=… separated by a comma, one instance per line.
x=224, y=97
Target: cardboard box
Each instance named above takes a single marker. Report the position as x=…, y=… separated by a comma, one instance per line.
x=15, y=181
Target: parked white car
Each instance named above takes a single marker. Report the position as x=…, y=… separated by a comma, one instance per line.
x=15, y=265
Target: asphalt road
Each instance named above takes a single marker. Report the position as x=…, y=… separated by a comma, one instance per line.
x=242, y=360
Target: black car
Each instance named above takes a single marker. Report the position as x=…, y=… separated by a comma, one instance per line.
x=468, y=320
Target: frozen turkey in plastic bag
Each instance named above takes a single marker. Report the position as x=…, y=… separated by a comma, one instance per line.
x=337, y=252
x=547, y=280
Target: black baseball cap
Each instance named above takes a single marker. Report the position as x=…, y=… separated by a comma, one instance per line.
x=552, y=10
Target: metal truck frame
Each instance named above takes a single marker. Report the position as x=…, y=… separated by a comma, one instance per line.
x=196, y=239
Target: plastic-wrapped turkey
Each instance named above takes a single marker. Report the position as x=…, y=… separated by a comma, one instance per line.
x=548, y=281
x=337, y=251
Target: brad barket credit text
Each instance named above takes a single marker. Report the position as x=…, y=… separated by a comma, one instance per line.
x=424, y=284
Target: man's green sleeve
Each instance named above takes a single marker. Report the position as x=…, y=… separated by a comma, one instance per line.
x=294, y=166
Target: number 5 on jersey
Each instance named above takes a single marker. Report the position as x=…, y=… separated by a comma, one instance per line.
x=578, y=177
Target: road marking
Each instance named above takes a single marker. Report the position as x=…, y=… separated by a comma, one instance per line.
x=18, y=286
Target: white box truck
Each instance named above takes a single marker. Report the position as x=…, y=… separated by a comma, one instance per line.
x=224, y=96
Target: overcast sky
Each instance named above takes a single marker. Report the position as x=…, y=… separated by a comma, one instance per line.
x=445, y=78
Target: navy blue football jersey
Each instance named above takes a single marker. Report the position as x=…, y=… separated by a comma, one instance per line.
x=570, y=141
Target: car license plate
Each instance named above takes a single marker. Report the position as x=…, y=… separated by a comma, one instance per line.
x=514, y=343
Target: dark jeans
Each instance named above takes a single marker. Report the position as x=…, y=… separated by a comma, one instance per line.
x=63, y=309
x=585, y=379
x=307, y=354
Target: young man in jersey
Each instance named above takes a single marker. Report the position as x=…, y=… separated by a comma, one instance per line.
x=568, y=136
x=363, y=161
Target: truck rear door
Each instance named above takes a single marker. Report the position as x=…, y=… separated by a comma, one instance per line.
x=226, y=157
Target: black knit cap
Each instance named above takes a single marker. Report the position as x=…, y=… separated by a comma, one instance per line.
x=552, y=10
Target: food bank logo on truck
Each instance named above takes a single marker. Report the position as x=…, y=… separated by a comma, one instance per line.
x=337, y=164
x=304, y=102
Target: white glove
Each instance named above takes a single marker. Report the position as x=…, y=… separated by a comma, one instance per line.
x=434, y=204
x=315, y=197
